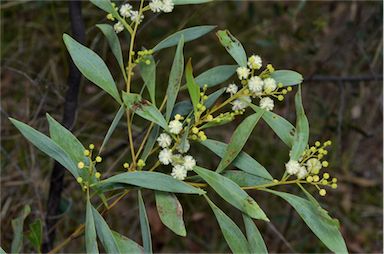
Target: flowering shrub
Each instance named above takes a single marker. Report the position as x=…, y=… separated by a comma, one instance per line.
x=174, y=127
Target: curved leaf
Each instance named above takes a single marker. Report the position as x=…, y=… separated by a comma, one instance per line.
x=231, y=232
x=193, y=87
x=216, y=75
x=302, y=129
x=114, y=43
x=318, y=220
x=175, y=78
x=153, y=181
x=231, y=193
x=188, y=34
x=90, y=230
x=65, y=139
x=287, y=77
x=104, y=233
x=238, y=140
x=242, y=161
x=113, y=126
x=18, y=226
x=151, y=141
x=283, y=129
x=233, y=46
x=47, y=146
x=170, y=212
x=255, y=240
x=35, y=235
x=144, y=225
x=105, y=5
x=91, y=66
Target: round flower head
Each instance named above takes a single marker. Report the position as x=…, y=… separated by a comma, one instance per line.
x=189, y=162
x=179, y=172
x=292, y=167
x=135, y=17
x=165, y=156
x=241, y=103
x=125, y=10
x=231, y=89
x=118, y=27
x=266, y=103
x=156, y=5
x=164, y=140
x=167, y=6
x=314, y=165
x=302, y=172
x=242, y=72
x=269, y=85
x=175, y=126
x=255, y=85
x=254, y=62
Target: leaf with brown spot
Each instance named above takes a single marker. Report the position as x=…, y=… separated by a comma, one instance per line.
x=170, y=212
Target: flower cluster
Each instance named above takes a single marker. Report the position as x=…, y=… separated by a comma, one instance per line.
x=126, y=12
x=161, y=6
x=309, y=165
x=181, y=162
x=88, y=167
x=262, y=86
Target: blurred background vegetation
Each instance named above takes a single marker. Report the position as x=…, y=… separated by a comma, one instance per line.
x=337, y=46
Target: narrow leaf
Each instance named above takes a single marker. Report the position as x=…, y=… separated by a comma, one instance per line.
x=18, y=228
x=90, y=230
x=238, y=140
x=231, y=193
x=104, y=5
x=47, y=146
x=113, y=126
x=287, y=77
x=231, y=232
x=144, y=108
x=302, y=129
x=244, y=179
x=144, y=225
x=148, y=73
x=170, y=212
x=255, y=240
x=283, y=129
x=243, y=161
x=175, y=78
x=233, y=46
x=35, y=235
x=151, y=141
x=318, y=220
x=91, y=66
x=146, y=179
x=104, y=233
x=114, y=43
x=126, y=245
x=193, y=88
x=216, y=75
x=65, y=139
x=189, y=34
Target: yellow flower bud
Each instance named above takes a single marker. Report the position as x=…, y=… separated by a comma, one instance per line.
x=325, y=182
x=325, y=164
x=80, y=165
x=316, y=178
x=313, y=149
x=203, y=108
x=205, y=97
x=98, y=159
x=91, y=146
x=79, y=179
x=334, y=180
x=87, y=152
x=270, y=68
x=201, y=133
x=317, y=143
x=275, y=180
x=140, y=163
x=177, y=117
x=309, y=179
x=194, y=137
x=334, y=185
x=289, y=88
x=209, y=117
x=280, y=98
x=110, y=17
x=322, y=192
x=97, y=175
x=326, y=176
x=280, y=85
x=284, y=91
x=126, y=165
x=195, y=130
x=188, y=120
x=203, y=138
x=147, y=62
